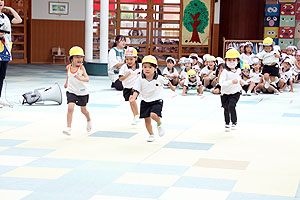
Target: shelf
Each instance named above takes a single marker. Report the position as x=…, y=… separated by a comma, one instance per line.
x=17, y=33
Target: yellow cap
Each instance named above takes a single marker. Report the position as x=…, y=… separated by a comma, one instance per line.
x=191, y=73
x=268, y=41
x=232, y=53
x=246, y=66
x=149, y=59
x=76, y=51
x=130, y=51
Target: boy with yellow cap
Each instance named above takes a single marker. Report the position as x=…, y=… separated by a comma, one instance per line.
x=77, y=93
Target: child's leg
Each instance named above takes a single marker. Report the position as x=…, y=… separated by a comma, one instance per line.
x=70, y=114
x=155, y=117
x=134, y=108
x=251, y=86
x=232, y=111
x=200, y=90
x=206, y=81
x=226, y=116
x=86, y=113
x=148, y=125
x=181, y=83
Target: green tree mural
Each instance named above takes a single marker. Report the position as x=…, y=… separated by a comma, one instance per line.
x=195, y=19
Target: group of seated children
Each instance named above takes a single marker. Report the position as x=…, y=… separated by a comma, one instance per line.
x=269, y=71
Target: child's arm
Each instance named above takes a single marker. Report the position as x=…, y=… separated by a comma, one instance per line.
x=291, y=84
x=66, y=83
x=17, y=19
x=122, y=78
x=171, y=86
x=84, y=77
x=184, y=91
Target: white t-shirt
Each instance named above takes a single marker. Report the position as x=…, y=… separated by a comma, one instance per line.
x=134, y=74
x=287, y=75
x=225, y=81
x=183, y=74
x=167, y=72
x=113, y=59
x=248, y=59
x=267, y=58
x=246, y=82
x=205, y=71
x=255, y=76
x=191, y=84
x=150, y=90
x=76, y=86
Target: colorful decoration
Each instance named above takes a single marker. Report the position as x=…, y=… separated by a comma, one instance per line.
x=287, y=21
x=288, y=9
x=272, y=10
x=195, y=22
x=287, y=1
x=271, y=32
x=287, y=32
x=283, y=43
x=271, y=21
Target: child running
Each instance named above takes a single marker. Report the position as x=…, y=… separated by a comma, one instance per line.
x=149, y=87
x=129, y=73
x=77, y=93
x=230, y=87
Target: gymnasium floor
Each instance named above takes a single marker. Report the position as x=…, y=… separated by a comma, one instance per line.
x=196, y=159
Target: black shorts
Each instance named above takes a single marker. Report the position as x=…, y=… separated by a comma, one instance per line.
x=126, y=93
x=78, y=100
x=272, y=70
x=172, y=82
x=227, y=99
x=245, y=87
x=218, y=87
x=151, y=107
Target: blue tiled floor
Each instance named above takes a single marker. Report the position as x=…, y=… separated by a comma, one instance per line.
x=10, y=143
x=111, y=134
x=249, y=196
x=25, y=152
x=5, y=169
x=56, y=163
x=188, y=145
x=136, y=191
x=290, y=115
x=248, y=102
x=31, y=184
x=13, y=123
x=159, y=169
x=205, y=183
x=103, y=105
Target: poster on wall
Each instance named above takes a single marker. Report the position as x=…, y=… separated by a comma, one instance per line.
x=196, y=22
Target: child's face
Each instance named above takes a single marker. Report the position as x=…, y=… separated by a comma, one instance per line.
x=289, y=52
x=77, y=60
x=170, y=64
x=130, y=60
x=210, y=64
x=1, y=4
x=286, y=66
x=248, y=49
x=148, y=69
x=192, y=79
x=122, y=43
x=297, y=57
x=242, y=49
x=246, y=72
x=195, y=61
x=188, y=66
x=255, y=66
x=268, y=48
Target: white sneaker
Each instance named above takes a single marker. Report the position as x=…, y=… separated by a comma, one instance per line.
x=161, y=130
x=249, y=93
x=276, y=92
x=67, y=131
x=4, y=103
x=227, y=128
x=205, y=89
x=234, y=126
x=267, y=84
x=243, y=93
x=89, y=126
x=135, y=120
x=151, y=138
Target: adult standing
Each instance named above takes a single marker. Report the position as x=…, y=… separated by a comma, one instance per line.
x=115, y=61
x=5, y=40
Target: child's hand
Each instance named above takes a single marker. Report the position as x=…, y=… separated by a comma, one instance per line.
x=235, y=81
x=183, y=94
x=78, y=77
x=66, y=85
x=291, y=90
x=127, y=74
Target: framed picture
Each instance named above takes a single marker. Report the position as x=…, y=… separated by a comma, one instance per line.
x=59, y=8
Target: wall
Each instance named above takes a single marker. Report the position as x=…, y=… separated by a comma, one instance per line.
x=40, y=10
x=49, y=30
x=241, y=20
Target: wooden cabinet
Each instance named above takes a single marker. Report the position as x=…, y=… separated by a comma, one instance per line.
x=19, y=31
